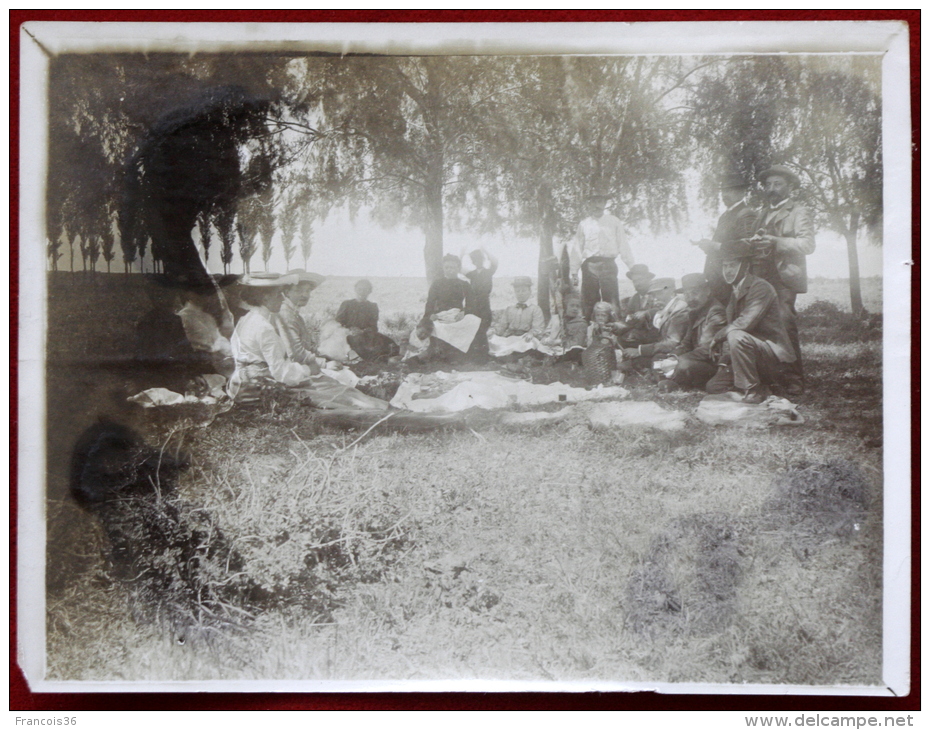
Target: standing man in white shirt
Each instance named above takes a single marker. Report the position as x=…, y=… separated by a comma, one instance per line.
x=594, y=250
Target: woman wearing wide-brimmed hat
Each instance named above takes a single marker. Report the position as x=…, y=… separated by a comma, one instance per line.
x=261, y=355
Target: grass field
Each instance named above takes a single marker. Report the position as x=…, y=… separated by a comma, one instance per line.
x=550, y=552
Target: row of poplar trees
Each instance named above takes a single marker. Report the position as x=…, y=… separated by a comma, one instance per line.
x=479, y=143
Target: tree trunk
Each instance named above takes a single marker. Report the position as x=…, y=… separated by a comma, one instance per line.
x=546, y=233
x=432, y=250
x=855, y=290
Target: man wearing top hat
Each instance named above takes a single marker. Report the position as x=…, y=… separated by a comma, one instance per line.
x=754, y=346
x=784, y=239
x=594, y=250
x=737, y=221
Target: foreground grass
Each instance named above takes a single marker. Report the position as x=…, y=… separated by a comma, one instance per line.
x=520, y=561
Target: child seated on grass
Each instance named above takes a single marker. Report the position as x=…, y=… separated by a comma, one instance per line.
x=600, y=357
x=571, y=333
x=575, y=329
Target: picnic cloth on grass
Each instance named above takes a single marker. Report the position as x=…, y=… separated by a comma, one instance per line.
x=635, y=413
x=154, y=397
x=728, y=409
x=344, y=376
x=442, y=392
x=458, y=334
x=499, y=346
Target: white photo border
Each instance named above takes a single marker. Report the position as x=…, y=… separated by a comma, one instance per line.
x=889, y=38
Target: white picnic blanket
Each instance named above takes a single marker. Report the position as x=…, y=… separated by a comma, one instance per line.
x=443, y=392
x=728, y=410
x=344, y=376
x=499, y=346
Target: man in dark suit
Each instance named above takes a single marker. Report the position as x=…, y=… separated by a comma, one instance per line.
x=755, y=346
x=785, y=237
x=705, y=317
x=737, y=221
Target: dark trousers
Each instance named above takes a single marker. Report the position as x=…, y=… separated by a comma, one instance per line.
x=794, y=372
x=479, y=346
x=752, y=363
x=693, y=372
x=599, y=284
x=371, y=345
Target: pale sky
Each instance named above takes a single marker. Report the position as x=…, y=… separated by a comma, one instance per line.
x=342, y=248
x=362, y=248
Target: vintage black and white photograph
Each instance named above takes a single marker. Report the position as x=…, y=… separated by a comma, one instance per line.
x=412, y=360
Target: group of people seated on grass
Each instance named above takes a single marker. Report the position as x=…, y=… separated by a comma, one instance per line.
x=731, y=328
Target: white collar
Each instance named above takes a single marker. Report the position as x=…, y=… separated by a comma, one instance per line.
x=737, y=203
x=263, y=312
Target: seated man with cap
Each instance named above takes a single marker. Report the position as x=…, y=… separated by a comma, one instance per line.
x=292, y=326
x=695, y=363
x=261, y=354
x=521, y=325
x=754, y=346
x=523, y=318
x=671, y=326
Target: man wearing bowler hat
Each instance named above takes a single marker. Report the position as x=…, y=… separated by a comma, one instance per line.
x=755, y=350
x=637, y=312
x=784, y=239
x=594, y=250
x=670, y=325
x=737, y=221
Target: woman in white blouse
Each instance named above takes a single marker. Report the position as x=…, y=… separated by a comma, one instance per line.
x=261, y=355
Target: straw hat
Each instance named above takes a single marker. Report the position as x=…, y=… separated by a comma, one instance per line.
x=302, y=276
x=263, y=280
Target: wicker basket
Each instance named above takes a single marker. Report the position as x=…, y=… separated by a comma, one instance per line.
x=599, y=361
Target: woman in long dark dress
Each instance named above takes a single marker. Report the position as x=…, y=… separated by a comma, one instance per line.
x=449, y=315
x=481, y=279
